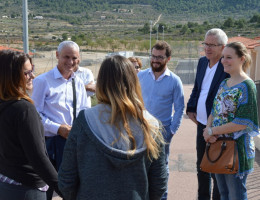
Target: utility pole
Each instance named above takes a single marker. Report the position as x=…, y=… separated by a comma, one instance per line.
x=163, y=32
x=25, y=27
x=157, y=31
x=151, y=25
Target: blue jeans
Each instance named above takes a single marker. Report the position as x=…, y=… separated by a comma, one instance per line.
x=55, y=146
x=167, y=135
x=231, y=187
x=204, y=179
x=20, y=192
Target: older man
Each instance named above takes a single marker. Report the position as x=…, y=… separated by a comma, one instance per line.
x=162, y=91
x=59, y=95
x=210, y=73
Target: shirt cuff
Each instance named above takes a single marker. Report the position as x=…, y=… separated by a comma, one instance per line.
x=54, y=128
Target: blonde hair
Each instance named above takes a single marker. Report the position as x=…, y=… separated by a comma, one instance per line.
x=118, y=86
x=241, y=51
x=138, y=60
x=12, y=80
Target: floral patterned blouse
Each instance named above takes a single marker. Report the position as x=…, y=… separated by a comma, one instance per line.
x=238, y=104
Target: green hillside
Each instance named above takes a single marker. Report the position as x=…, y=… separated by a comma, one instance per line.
x=173, y=8
x=111, y=25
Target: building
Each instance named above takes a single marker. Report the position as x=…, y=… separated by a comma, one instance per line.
x=8, y=48
x=126, y=54
x=38, y=17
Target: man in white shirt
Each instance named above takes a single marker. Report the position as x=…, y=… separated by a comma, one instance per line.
x=210, y=73
x=59, y=95
x=88, y=79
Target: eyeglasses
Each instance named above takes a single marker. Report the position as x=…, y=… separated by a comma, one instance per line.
x=137, y=67
x=157, y=57
x=210, y=45
x=30, y=72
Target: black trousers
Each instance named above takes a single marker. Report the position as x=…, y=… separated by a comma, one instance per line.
x=55, y=146
x=204, y=179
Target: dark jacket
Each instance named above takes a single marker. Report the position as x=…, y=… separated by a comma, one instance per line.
x=93, y=170
x=23, y=155
x=219, y=76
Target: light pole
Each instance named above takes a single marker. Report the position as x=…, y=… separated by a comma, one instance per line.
x=151, y=25
x=157, y=31
x=25, y=27
x=163, y=32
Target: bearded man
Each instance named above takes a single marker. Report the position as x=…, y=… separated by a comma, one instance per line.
x=163, y=93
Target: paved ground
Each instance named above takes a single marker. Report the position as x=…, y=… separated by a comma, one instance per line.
x=183, y=178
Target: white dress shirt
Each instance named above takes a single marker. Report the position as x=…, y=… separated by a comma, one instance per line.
x=53, y=99
x=87, y=77
x=206, y=83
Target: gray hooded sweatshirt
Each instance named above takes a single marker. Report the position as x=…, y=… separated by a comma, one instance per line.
x=95, y=167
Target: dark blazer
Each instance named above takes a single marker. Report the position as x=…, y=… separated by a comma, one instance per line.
x=219, y=76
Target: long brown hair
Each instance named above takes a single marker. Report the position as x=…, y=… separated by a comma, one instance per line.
x=118, y=86
x=12, y=79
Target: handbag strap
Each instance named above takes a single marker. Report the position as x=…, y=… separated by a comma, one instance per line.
x=223, y=147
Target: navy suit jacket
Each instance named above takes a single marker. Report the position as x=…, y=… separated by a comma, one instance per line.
x=219, y=76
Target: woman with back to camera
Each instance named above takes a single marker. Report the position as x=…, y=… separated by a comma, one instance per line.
x=25, y=169
x=234, y=114
x=114, y=150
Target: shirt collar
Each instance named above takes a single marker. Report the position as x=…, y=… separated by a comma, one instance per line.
x=214, y=66
x=58, y=75
x=79, y=69
x=165, y=73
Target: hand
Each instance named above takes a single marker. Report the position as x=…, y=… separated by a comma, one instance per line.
x=64, y=130
x=167, y=134
x=193, y=117
x=207, y=137
x=91, y=87
x=212, y=139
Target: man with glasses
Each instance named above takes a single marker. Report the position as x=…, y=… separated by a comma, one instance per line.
x=210, y=73
x=162, y=91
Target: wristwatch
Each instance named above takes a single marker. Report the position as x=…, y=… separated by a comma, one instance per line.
x=210, y=132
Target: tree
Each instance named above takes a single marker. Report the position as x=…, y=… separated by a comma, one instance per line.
x=162, y=26
x=184, y=29
x=229, y=22
x=255, y=18
x=240, y=23
x=145, y=29
x=64, y=36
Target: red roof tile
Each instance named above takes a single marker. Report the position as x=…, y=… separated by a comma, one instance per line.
x=8, y=48
x=249, y=43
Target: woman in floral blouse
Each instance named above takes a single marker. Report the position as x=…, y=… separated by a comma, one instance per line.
x=234, y=114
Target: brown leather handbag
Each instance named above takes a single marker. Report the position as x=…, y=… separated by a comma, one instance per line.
x=220, y=157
